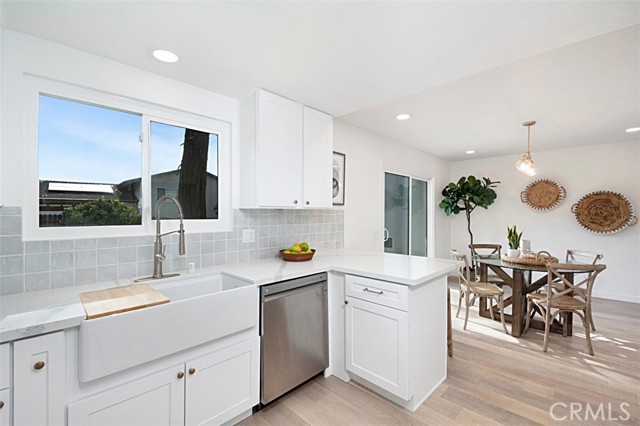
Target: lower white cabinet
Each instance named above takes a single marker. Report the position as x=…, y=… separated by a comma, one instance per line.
x=39, y=380
x=5, y=382
x=208, y=390
x=224, y=384
x=5, y=407
x=395, y=337
x=157, y=399
x=377, y=345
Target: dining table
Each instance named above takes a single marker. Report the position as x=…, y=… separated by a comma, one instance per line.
x=520, y=278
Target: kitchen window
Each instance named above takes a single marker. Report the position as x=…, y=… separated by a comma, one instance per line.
x=97, y=163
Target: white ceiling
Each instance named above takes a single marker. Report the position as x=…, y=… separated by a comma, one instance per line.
x=469, y=73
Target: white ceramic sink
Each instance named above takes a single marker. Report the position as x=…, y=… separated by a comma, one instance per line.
x=202, y=309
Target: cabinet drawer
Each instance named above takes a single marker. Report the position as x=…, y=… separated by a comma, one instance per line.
x=5, y=366
x=381, y=292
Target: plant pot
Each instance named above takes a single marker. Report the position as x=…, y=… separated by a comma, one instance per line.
x=513, y=252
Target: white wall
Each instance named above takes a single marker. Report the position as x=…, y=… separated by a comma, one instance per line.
x=29, y=55
x=368, y=155
x=614, y=167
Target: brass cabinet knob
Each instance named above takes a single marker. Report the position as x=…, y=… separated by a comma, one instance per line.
x=38, y=365
x=1, y=405
x=192, y=370
x=180, y=375
x=307, y=203
x=295, y=201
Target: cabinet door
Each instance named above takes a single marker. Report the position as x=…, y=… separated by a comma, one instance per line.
x=377, y=345
x=154, y=400
x=5, y=407
x=279, y=151
x=38, y=380
x=317, y=150
x=222, y=385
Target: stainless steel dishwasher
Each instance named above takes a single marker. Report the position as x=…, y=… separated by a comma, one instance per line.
x=294, y=330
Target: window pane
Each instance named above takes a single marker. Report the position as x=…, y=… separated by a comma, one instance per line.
x=418, y=217
x=87, y=154
x=396, y=213
x=184, y=163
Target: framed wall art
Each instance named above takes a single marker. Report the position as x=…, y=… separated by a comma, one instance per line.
x=339, y=161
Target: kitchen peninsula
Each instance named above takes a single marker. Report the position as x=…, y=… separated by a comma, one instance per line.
x=387, y=327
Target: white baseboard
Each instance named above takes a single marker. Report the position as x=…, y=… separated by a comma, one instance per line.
x=616, y=296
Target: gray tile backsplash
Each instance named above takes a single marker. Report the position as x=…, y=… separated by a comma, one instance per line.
x=38, y=265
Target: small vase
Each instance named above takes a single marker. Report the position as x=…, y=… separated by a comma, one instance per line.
x=513, y=252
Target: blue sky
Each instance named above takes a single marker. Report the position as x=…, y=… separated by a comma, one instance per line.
x=84, y=143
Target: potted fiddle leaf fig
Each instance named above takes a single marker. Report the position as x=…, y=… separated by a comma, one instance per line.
x=513, y=237
x=467, y=194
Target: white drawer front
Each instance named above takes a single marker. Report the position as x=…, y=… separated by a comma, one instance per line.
x=381, y=292
x=5, y=366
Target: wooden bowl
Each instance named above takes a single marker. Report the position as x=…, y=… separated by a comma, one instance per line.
x=297, y=257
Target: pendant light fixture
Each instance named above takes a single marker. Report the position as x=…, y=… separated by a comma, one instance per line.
x=525, y=164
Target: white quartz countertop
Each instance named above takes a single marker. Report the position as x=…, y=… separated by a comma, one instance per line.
x=29, y=314
x=407, y=270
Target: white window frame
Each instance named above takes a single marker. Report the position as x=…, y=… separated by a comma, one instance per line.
x=35, y=86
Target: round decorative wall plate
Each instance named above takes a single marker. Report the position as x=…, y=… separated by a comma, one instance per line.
x=604, y=212
x=543, y=194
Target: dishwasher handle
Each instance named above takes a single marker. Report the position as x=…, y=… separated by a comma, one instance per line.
x=269, y=289
x=295, y=290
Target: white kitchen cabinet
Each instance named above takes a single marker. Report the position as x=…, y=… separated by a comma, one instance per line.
x=208, y=390
x=38, y=380
x=224, y=384
x=285, y=153
x=5, y=383
x=317, y=161
x=5, y=407
x=395, y=337
x=377, y=344
x=155, y=400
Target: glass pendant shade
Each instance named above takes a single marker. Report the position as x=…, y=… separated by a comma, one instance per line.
x=525, y=164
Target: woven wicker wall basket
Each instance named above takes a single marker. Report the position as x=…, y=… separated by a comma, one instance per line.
x=543, y=194
x=604, y=212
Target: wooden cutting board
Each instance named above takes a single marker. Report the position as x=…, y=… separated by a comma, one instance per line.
x=120, y=299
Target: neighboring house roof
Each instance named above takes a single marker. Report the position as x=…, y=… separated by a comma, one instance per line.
x=161, y=174
x=59, y=192
x=52, y=191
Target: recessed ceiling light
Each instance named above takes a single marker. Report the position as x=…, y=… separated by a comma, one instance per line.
x=633, y=129
x=402, y=117
x=471, y=151
x=165, y=56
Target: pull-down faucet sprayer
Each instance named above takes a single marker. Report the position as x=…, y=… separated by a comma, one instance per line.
x=158, y=248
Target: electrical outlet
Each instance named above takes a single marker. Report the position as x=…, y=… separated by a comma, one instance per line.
x=248, y=235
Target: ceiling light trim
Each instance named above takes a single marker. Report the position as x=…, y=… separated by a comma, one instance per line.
x=165, y=56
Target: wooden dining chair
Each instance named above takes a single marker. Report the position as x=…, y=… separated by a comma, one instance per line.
x=586, y=257
x=469, y=287
x=574, y=298
x=487, y=251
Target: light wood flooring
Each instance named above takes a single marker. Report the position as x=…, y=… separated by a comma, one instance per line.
x=495, y=379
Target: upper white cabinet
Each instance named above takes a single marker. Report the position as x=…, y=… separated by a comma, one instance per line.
x=317, y=154
x=285, y=153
